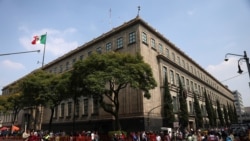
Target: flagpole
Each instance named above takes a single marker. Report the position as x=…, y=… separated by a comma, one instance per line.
x=44, y=50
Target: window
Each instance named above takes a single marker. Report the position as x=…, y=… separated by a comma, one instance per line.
x=182, y=80
x=95, y=105
x=62, y=110
x=55, y=69
x=183, y=64
x=132, y=37
x=192, y=86
x=187, y=84
x=108, y=47
x=160, y=49
x=77, y=109
x=85, y=106
x=175, y=104
x=99, y=50
x=167, y=52
x=81, y=57
x=73, y=60
x=55, y=112
x=164, y=72
x=120, y=42
x=191, y=107
x=173, y=57
x=69, y=108
x=144, y=37
x=89, y=53
x=67, y=65
x=177, y=79
x=61, y=69
x=153, y=43
x=178, y=60
x=171, y=77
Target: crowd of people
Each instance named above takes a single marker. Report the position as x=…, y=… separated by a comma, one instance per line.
x=185, y=135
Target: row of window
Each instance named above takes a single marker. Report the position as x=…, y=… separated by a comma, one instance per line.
x=119, y=44
x=190, y=85
x=81, y=108
x=177, y=60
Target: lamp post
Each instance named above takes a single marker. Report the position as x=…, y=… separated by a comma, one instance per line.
x=243, y=57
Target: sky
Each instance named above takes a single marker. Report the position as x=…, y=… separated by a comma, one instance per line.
x=205, y=30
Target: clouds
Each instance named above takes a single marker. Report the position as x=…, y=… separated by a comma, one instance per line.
x=226, y=73
x=9, y=65
x=57, y=43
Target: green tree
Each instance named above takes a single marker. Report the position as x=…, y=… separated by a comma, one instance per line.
x=198, y=115
x=168, y=105
x=235, y=115
x=225, y=115
x=183, y=113
x=34, y=88
x=15, y=105
x=55, y=92
x=209, y=109
x=105, y=75
x=220, y=114
x=230, y=113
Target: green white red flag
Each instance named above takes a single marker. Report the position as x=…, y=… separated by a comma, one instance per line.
x=39, y=40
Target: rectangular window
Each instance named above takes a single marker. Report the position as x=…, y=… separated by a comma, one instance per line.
x=173, y=57
x=175, y=104
x=192, y=86
x=144, y=38
x=62, y=110
x=171, y=77
x=108, y=47
x=99, y=50
x=81, y=57
x=178, y=60
x=89, y=53
x=183, y=64
x=95, y=105
x=167, y=52
x=67, y=65
x=77, y=109
x=132, y=37
x=187, y=84
x=69, y=108
x=160, y=49
x=55, y=70
x=183, y=81
x=153, y=43
x=61, y=69
x=190, y=107
x=164, y=72
x=55, y=112
x=177, y=79
x=120, y=42
x=85, y=106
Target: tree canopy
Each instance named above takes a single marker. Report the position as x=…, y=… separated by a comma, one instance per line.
x=104, y=75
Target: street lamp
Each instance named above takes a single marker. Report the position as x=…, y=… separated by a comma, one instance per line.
x=243, y=57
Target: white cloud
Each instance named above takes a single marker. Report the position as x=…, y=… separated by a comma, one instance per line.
x=226, y=73
x=12, y=65
x=56, y=43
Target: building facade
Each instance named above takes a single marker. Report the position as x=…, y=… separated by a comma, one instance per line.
x=136, y=112
x=239, y=105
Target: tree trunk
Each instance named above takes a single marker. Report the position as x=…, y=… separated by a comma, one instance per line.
x=51, y=117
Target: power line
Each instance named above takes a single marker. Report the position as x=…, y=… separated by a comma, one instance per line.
x=234, y=77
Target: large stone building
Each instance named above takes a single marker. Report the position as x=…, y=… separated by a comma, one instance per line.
x=136, y=112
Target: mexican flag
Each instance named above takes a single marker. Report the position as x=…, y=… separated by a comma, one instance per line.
x=39, y=39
